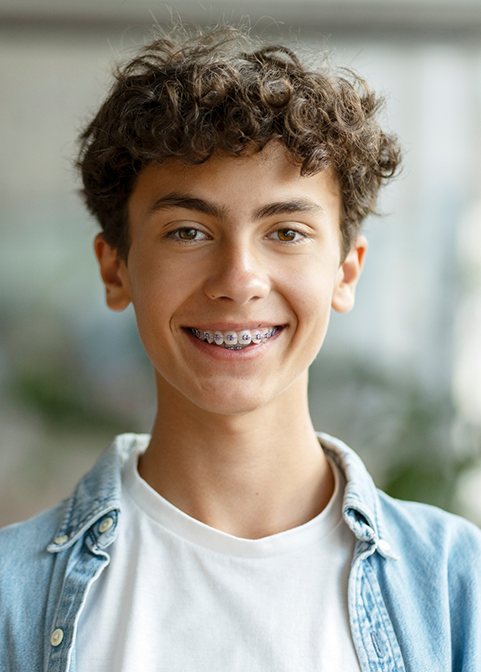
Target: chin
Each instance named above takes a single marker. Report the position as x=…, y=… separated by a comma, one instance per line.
x=230, y=404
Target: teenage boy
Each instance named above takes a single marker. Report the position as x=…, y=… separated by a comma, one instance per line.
x=230, y=186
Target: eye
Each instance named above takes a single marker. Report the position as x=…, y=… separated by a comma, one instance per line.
x=287, y=235
x=187, y=234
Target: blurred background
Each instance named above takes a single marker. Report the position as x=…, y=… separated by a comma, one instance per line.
x=399, y=378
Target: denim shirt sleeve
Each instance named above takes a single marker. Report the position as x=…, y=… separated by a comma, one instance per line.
x=414, y=591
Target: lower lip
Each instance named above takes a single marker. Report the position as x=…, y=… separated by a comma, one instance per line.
x=218, y=352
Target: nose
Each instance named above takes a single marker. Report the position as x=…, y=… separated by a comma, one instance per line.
x=237, y=274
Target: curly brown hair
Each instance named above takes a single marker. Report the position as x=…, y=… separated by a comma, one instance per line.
x=219, y=92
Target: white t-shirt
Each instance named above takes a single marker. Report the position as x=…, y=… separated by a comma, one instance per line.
x=180, y=596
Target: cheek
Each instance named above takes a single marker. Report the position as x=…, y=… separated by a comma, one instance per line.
x=154, y=294
x=158, y=285
x=311, y=291
x=311, y=295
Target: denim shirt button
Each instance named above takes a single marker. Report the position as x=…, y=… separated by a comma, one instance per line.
x=105, y=525
x=56, y=638
x=61, y=540
x=384, y=545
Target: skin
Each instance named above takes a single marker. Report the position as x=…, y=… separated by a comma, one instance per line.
x=235, y=243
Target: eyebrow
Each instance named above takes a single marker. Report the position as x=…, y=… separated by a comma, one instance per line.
x=288, y=207
x=176, y=200
x=179, y=200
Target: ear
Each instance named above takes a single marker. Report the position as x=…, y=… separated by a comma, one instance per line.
x=348, y=275
x=113, y=271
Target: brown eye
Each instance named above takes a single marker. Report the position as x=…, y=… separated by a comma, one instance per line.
x=286, y=235
x=187, y=234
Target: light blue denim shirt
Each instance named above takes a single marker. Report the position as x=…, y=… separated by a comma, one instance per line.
x=414, y=588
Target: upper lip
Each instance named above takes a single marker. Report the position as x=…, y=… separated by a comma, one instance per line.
x=234, y=326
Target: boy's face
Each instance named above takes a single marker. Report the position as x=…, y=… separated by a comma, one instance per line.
x=235, y=244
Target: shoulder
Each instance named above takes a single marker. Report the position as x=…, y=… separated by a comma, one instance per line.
x=434, y=541
x=26, y=570
x=432, y=525
x=97, y=491
x=24, y=544
x=433, y=589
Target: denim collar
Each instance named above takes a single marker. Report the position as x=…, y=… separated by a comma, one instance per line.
x=98, y=495
x=361, y=506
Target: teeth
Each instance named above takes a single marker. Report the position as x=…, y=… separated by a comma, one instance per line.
x=234, y=340
x=230, y=338
x=245, y=337
x=257, y=336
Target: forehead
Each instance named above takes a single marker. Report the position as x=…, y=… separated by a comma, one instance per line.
x=237, y=186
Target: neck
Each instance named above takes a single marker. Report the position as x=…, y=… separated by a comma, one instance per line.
x=250, y=475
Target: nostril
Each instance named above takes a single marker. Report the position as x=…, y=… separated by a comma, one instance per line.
x=235, y=282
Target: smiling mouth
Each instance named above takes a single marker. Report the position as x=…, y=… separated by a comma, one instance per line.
x=235, y=340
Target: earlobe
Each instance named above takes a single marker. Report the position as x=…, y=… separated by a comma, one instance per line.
x=348, y=275
x=113, y=272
